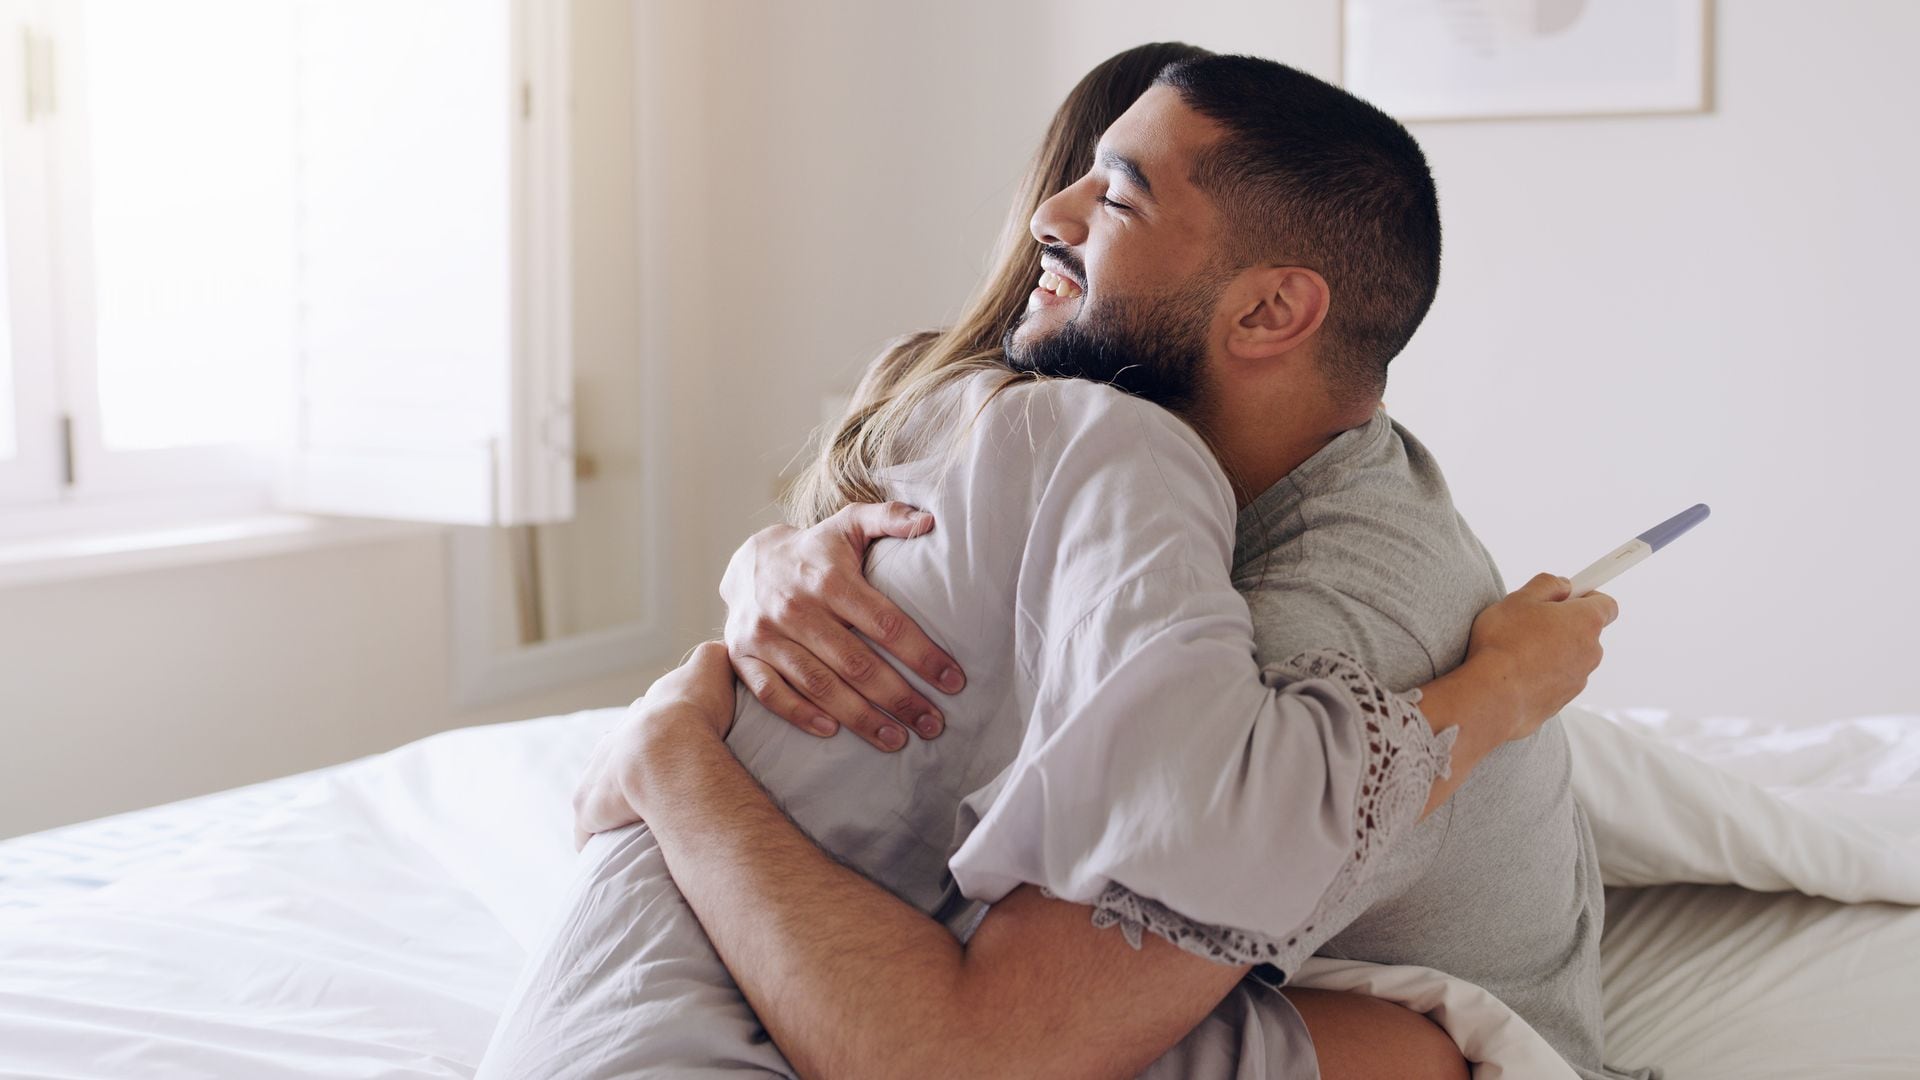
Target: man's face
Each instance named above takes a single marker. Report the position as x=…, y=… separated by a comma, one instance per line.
x=1132, y=273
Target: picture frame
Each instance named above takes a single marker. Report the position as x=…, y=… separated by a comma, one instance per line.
x=1443, y=60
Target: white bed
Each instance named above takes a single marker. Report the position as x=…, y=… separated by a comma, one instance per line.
x=368, y=920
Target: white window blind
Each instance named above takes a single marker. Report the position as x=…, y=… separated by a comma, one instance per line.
x=431, y=356
x=30, y=466
x=327, y=233
x=190, y=167
x=8, y=446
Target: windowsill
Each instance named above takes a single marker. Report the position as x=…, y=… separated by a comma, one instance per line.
x=94, y=553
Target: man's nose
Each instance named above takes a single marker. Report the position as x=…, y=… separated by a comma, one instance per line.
x=1058, y=222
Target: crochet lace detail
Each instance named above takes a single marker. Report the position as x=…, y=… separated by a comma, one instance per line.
x=1403, y=757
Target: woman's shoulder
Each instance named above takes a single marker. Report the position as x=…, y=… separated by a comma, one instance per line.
x=1058, y=416
x=1074, y=437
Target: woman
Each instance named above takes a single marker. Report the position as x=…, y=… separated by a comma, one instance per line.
x=1106, y=524
x=908, y=372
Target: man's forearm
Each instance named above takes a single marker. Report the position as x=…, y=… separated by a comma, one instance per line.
x=848, y=979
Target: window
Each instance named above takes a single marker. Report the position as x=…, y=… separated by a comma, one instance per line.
x=307, y=252
x=28, y=453
x=187, y=171
x=8, y=438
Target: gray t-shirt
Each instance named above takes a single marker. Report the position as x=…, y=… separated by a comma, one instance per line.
x=1360, y=548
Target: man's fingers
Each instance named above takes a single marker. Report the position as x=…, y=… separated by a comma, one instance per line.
x=704, y=678
x=870, y=612
x=1548, y=587
x=781, y=700
x=867, y=522
x=875, y=679
x=707, y=661
x=818, y=684
x=603, y=808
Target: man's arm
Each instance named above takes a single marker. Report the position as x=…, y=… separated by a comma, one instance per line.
x=850, y=981
x=798, y=602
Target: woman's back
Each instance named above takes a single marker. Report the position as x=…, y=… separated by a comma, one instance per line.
x=1011, y=479
x=1116, y=744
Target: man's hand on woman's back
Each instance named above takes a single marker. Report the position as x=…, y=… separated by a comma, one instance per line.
x=795, y=598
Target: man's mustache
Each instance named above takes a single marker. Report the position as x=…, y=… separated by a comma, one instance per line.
x=1064, y=256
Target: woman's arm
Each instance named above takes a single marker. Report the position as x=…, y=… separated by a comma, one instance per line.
x=795, y=596
x=1181, y=774
x=1163, y=783
x=1524, y=656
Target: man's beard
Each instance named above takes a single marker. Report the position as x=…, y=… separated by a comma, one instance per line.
x=1155, y=349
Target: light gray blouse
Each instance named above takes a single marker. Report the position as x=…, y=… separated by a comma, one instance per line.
x=1116, y=744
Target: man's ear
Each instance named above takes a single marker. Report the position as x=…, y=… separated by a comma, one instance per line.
x=1276, y=308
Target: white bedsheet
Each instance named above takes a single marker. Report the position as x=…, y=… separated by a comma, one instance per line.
x=1786, y=982
x=1829, y=809
x=368, y=920
x=356, y=923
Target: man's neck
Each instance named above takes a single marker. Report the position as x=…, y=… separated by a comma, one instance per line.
x=1260, y=439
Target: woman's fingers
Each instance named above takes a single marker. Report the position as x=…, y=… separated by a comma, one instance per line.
x=1607, y=608
x=1547, y=587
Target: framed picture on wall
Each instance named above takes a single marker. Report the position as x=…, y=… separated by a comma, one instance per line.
x=1494, y=59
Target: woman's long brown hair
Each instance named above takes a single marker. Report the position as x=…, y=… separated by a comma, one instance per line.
x=869, y=437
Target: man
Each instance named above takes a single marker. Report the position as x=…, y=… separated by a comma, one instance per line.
x=1357, y=544
x=1210, y=263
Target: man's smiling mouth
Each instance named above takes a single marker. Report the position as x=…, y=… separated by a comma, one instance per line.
x=1059, y=284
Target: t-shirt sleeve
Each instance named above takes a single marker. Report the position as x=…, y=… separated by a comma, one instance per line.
x=1164, y=777
x=1296, y=613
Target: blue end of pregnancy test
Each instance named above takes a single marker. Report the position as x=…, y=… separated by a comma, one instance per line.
x=1667, y=531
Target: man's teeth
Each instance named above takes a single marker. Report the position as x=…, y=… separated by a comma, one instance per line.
x=1057, y=285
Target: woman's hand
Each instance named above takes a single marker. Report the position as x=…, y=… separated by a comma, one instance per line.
x=1528, y=657
x=794, y=599
x=698, y=692
x=1540, y=647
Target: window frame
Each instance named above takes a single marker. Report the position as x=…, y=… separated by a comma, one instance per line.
x=62, y=463
x=243, y=471
x=33, y=475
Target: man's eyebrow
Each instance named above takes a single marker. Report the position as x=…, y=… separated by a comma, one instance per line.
x=1128, y=168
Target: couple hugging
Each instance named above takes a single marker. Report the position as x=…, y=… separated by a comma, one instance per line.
x=1226, y=681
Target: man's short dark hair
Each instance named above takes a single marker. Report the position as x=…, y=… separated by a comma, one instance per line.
x=1310, y=175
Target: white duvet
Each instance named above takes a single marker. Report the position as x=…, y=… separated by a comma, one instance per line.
x=368, y=920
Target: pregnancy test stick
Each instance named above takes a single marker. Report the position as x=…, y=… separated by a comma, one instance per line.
x=1633, y=552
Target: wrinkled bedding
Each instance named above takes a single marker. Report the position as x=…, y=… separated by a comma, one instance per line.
x=369, y=920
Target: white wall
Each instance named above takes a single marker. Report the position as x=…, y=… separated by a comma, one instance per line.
x=133, y=689
x=1636, y=314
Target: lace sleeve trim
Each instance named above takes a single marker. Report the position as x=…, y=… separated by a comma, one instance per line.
x=1403, y=757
